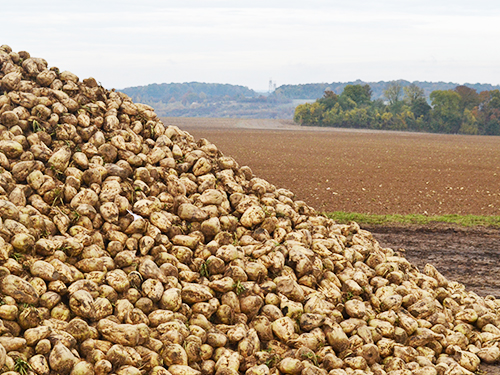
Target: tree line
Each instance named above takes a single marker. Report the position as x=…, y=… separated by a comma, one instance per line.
x=315, y=90
x=461, y=110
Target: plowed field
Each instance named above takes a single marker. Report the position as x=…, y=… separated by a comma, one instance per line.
x=382, y=173
x=363, y=171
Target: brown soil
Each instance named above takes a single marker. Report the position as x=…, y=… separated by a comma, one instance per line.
x=364, y=171
x=382, y=173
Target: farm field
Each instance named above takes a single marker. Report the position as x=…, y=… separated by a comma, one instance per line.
x=364, y=171
x=381, y=173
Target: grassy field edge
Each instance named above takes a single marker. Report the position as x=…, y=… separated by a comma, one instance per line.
x=463, y=220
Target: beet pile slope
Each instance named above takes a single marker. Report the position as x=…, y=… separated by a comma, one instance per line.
x=126, y=247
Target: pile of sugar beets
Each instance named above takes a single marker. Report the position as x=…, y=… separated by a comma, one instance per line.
x=126, y=247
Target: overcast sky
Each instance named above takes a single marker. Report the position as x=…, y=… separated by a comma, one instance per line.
x=129, y=43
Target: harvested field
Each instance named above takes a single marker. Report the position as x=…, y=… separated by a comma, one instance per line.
x=382, y=173
x=364, y=171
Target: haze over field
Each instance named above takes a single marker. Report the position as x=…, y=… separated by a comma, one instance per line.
x=128, y=43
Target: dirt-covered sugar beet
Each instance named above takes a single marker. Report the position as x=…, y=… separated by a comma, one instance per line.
x=127, y=247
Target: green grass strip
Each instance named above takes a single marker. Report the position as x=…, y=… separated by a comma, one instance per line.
x=464, y=220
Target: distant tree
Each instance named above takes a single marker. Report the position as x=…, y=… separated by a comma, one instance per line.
x=412, y=93
x=346, y=102
x=387, y=120
x=378, y=105
x=469, y=123
x=492, y=127
x=359, y=94
x=329, y=99
x=420, y=107
x=494, y=99
x=317, y=110
x=358, y=118
x=469, y=98
x=334, y=116
x=446, y=114
x=393, y=92
x=309, y=113
x=489, y=113
x=484, y=96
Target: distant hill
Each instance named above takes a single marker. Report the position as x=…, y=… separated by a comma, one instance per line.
x=196, y=99
x=316, y=90
x=188, y=91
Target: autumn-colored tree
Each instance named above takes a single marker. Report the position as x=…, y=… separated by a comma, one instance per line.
x=309, y=113
x=387, y=120
x=334, y=116
x=357, y=118
x=461, y=110
x=469, y=98
x=302, y=114
x=489, y=113
x=469, y=123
